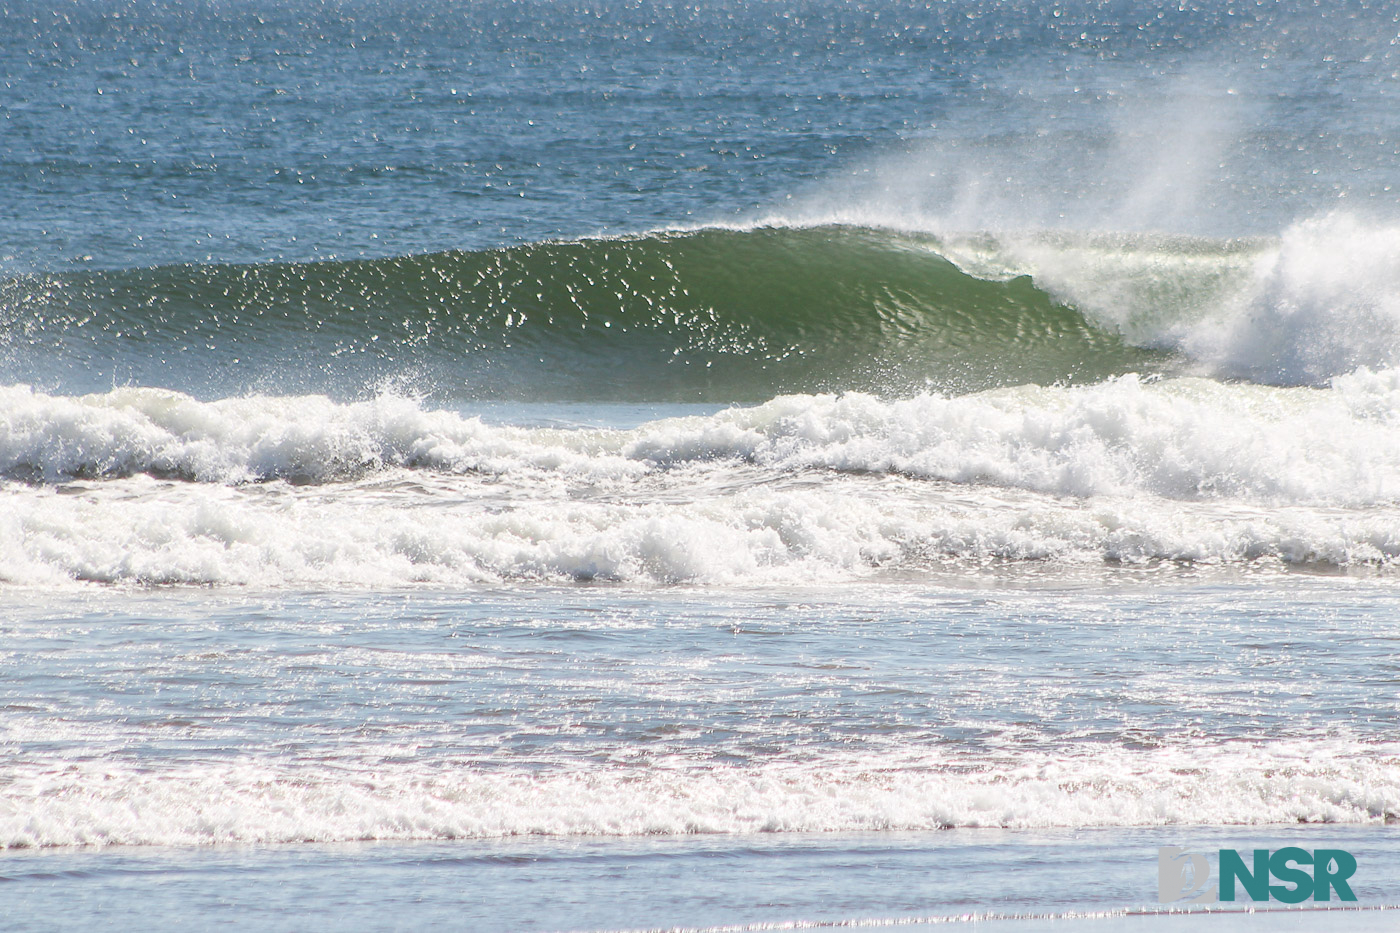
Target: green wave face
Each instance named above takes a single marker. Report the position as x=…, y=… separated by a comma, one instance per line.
x=713, y=315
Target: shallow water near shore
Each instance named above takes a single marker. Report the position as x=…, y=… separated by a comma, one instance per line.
x=1029, y=880
x=202, y=717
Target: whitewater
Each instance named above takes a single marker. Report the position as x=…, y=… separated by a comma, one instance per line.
x=163, y=489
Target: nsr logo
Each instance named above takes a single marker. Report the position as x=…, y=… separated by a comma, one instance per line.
x=1184, y=876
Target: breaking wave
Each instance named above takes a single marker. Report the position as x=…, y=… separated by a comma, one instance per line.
x=729, y=315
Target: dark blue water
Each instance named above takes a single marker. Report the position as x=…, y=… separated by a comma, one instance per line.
x=144, y=134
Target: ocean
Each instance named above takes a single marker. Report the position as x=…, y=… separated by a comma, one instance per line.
x=609, y=465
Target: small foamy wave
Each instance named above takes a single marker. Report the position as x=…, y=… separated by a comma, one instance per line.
x=1186, y=439
x=307, y=491
x=263, y=802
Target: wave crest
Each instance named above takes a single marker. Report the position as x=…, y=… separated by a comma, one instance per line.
x=729, y=315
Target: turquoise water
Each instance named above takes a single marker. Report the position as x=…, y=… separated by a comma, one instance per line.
x=615, y=466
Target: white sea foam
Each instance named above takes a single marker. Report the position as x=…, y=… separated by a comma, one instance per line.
x=801, y=488
x=139, y=430
x=145, y=532
x=1182, y=439
x=260, y=801
x=1185, y=439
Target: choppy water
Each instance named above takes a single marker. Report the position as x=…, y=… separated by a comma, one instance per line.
x=748, y=441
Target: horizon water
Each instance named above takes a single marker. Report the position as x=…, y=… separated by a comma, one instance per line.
x=635, y=465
